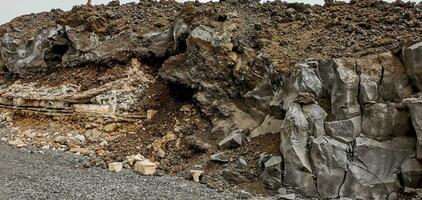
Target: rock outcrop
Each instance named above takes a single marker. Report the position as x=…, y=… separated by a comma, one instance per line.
x=349, y=124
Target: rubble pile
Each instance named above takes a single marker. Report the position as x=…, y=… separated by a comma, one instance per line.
x=284, y=99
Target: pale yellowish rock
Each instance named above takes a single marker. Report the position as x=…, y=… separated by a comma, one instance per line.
x=196, y=174
x=145, y=167
x=115, y=166
x=151, y=114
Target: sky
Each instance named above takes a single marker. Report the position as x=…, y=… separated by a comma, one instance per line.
x=10, y=9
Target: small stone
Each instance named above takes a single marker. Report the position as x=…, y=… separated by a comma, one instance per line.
x=133, y=158
x=93, y=134
x=219, y=157
x=233, y=176
x=80, y=138
x=45, y=147
x=3, y=139
x=291, y=196
x=241, y=163
x=111, y=127
x=61, y=139
x=161, y=153
x=16, y=142
x=151, y=114
x=244, y=195
x=103, y=143
x=115, y=166
x=196, y=143
x=196, y=174
x=282, y=191
x=21, y=145
x=145, y=167
x=8, y=116
x=83, y=151
x=272, y=172
x=234, y=140
x=393, y=196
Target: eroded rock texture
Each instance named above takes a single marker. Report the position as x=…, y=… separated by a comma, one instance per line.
x=349, y=126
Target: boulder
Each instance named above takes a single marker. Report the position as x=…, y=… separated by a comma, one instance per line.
x=382, y=121
x=383, y=159
x=368, y=90
x=344, y=92
x=395, y=84
x=294, y=138
x=329, y=159
x=305, y=79
x=411, y=173
x=272, y=173
x=415, y=109
x=316, y=117
x=361, y=183
x=412, y=59
x=344, y=130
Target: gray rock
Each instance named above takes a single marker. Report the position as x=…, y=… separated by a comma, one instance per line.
x=271, y=175
x=219, y=157
x=412, y=59
x=36, y=56
x=241, y=163
x=290, y=196
x=415, y=109
x=233, y=176
x=383, y=159
x=361, y=183
x=383, y=121
x=368, y=90
x=411, y=173
x=294, y=138
x=234, y=140
x=395, y=84
x=344, y=130
x=329, y=159
x=374, y=174
x=344, y=93
x=305, y=79
x=316, y=117
x=270, y=125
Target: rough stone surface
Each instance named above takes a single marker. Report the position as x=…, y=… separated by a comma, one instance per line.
x=145, y=167
x=411, y=173
x=331, y=87
x=234, y=140
x=329, y=159
x=383, y=121
x=415, y=109
x=344, y=130
x=272, y=172
x=412, y=58
x=344, y=93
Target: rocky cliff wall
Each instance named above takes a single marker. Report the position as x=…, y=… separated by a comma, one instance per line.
x=349, y=125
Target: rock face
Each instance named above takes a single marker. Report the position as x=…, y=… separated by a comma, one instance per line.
x=413, y=61
x=349, y=126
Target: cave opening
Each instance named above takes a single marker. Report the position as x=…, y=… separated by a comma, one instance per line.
x=181, y=93
x=53, y=56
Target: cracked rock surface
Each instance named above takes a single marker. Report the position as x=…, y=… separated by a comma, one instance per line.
x=317, y=102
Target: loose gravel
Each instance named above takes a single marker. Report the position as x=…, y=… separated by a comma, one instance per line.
x=26, y=174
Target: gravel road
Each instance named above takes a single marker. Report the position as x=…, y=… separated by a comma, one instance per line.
x=56, y=175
